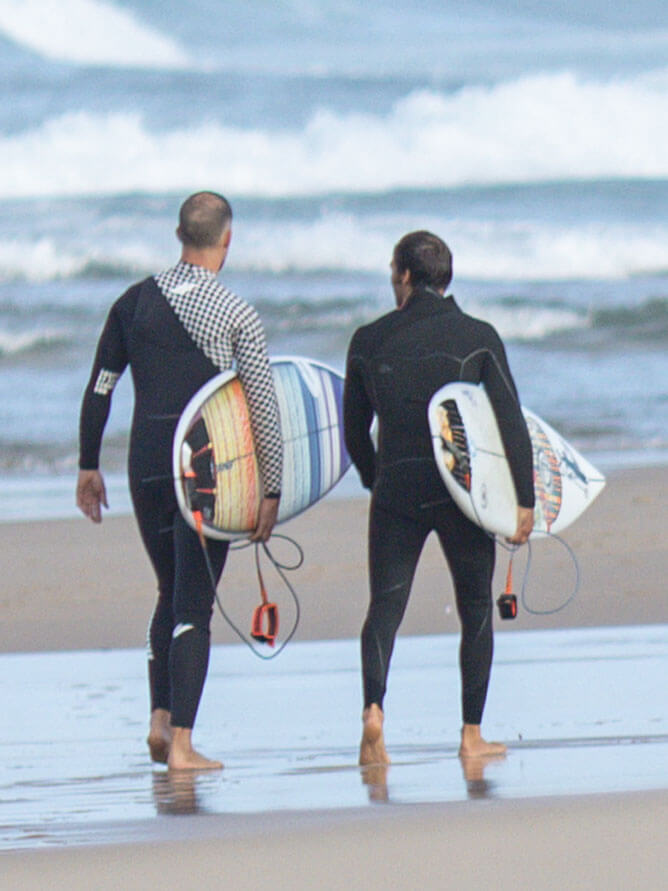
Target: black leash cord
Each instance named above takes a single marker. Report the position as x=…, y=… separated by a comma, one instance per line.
x=281, y=569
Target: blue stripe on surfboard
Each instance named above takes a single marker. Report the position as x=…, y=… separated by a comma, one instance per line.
x=320, y=421
x=327, y=437
x=290, y=455
x=308, y=484
x=290, y=468
x=310, y=402
x=296, y=448
x=344, y=457
x=311, y=412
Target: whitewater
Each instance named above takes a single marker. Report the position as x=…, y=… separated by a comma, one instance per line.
x=533, y=137
x=533, y=129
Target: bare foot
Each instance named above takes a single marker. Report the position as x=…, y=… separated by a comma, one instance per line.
x=474, y=746
x=372, y=747
x=182, y=756
x=159, y=736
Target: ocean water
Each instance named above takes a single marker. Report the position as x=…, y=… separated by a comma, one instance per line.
x=533, y=137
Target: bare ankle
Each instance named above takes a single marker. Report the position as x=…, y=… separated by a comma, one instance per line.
x=159, y=736
x=182, y=755
x=373, y=715
x=473, y=744
x=372, y=747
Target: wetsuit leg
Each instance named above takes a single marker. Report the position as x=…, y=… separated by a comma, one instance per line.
x=193, y=605
x=177, y=665
x=395, y=544
x=470, y=553
x=154, y=512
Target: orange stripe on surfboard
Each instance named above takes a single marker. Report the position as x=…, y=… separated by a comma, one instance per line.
x=237, y=477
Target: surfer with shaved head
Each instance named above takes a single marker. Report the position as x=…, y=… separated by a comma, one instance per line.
x=176, y=330
x=394, y=366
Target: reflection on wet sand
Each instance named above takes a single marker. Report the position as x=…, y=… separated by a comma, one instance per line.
x=473, y=769
x=84, y=765
x=376, y=778
x=176, y=792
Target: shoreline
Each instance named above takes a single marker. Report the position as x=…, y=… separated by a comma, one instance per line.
x=79, y=586
x=537, y=843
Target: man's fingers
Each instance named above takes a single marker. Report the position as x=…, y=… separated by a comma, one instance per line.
x=91, y=494
x=524, y=526
x=266, y=519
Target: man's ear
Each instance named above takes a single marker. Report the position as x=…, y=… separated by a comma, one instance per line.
x=227, y=237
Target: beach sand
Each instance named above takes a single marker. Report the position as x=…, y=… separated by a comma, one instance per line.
x=69, y=585
x=611, y=843
x=72, y=585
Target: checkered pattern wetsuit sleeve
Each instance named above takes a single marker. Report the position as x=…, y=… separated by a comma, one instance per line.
x=229, y=333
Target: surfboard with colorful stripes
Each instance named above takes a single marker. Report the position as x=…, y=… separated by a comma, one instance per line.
x=474, y=466
x=214, y=461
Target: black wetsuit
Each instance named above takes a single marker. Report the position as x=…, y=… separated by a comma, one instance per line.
x=176, y=331
x=394, y=367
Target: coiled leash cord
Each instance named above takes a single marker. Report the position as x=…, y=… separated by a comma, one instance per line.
x=507, y=602
x=265, y=621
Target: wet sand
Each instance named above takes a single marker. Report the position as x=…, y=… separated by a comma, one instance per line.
x=580, y=801
x=287, y=733
x=603, y=842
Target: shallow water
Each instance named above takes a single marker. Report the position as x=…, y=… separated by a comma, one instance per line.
x=583, y=711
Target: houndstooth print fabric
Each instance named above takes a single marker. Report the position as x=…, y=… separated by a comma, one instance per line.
x=229, y=332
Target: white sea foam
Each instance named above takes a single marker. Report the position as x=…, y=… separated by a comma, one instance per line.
x=483, y=249
x=88, y=32
x=533, y=129
x=37, y=261
x=528, y=323
x=14, y=343
x=47, y=260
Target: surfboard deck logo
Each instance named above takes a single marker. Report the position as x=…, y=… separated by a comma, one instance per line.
x=214, y=461
x=471, y=459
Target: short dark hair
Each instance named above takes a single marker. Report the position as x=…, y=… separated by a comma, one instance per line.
x=427, y=257
x=203, y=218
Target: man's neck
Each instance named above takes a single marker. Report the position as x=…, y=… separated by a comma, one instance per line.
x=207, y=259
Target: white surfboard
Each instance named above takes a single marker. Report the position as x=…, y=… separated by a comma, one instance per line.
x=214, y=462
x=473, y=464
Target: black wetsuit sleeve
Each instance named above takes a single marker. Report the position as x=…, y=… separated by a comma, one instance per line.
x=357, y=418
x=502, y=393
x=110, y=362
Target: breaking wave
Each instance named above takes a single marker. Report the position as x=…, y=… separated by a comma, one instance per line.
x=536, y=128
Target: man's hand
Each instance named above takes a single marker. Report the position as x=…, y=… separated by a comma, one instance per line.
x=266, y=519
x=524, y=526
x=91, y=494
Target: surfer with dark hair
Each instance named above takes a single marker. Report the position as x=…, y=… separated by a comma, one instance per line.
x=176, y=330
x=427, y=257
x=394, y=366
